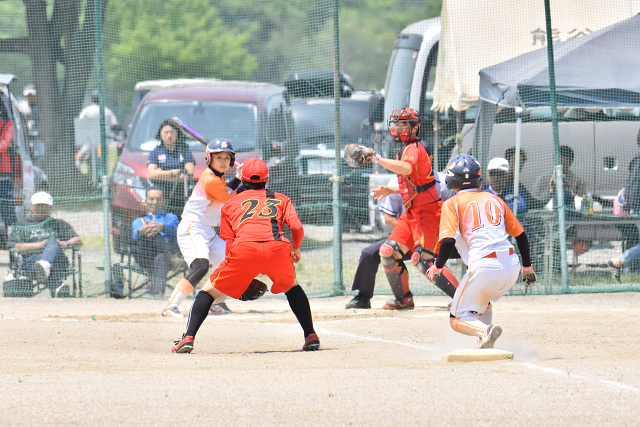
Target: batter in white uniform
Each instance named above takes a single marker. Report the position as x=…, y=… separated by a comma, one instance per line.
x=199, y=243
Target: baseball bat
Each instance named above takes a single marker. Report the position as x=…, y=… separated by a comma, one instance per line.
x=192, y=133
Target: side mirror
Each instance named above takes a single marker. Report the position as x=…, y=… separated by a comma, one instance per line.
x=376, y=108
x=116, y=128
x=120, y=148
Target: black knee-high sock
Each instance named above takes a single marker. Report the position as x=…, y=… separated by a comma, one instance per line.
x=199, y=312
x=299, y=304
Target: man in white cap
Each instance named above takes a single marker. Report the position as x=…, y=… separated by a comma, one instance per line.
x=498, y=170
x=40, y=239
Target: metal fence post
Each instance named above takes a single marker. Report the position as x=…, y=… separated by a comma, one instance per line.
x=338, y=286
x=103, y=148
x=556, y=145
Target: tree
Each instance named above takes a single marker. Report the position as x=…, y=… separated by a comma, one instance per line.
x=289, y=35
x=168, y=39
x=61, y=45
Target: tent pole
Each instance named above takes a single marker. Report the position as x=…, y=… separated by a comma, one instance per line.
x=556, y=148
x=516, y=163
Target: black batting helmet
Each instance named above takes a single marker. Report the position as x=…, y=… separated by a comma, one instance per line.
x=463, y=172
x=220, y=145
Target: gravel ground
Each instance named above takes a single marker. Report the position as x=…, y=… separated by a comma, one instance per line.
x=102, y=362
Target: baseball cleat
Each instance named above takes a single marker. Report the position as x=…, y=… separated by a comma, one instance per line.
x=217, y=309
x=405, y=304
x=311, y=343
x=489, y=337
x=172, y=311
x=185, y=345
x=360, y=301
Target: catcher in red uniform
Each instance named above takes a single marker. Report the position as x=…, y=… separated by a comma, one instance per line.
x=417, y=229
x=251, y=227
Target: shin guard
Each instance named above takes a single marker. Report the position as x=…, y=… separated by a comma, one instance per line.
x=445, y=281
x=398, y=280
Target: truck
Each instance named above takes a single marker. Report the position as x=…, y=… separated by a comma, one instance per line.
x=439, y=79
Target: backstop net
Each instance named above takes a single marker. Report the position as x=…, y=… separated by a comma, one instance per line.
x=293, y=82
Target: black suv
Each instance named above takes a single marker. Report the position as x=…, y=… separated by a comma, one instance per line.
x=300, y=147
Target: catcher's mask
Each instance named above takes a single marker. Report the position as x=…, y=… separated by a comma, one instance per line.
x=463, y=172
x=255, y=170
x=404, y=134
x=219, y=145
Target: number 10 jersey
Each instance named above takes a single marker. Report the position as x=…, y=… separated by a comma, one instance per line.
x=480, y=222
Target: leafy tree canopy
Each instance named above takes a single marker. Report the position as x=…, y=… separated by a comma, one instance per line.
x=165, y=39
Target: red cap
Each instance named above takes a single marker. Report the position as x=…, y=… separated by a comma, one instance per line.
x=255, y=170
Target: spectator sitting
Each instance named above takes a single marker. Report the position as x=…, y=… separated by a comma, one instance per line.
x=168, y=163
x=545, y=187
x=632, y=189
x=498, y=169
x=156, y=241
x=40, y=240
x=510, y=155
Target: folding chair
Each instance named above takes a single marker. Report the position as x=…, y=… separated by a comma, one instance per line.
x=19, y=284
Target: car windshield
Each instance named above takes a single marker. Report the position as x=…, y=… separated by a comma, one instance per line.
x=399, y=78
x=235, y=121
x=314, y=122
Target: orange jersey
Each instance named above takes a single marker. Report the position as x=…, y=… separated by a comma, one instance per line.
x=421, y=174
x=206, y=201
x=480, y=222
x=256, y=216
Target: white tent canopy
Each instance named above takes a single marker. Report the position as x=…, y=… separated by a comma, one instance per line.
x=478, y=34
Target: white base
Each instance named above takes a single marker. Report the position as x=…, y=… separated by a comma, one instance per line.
x=475, y=355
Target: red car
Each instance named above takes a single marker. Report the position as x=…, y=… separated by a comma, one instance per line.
x=237, y=111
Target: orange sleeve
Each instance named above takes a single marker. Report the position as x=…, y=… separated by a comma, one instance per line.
x=448, y=220
x=511, y=223
x=289, y=211
x=411, y=155
x=226, y=231
x=217, y=189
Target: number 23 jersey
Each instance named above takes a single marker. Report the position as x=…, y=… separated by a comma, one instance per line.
x=256, y=216
x=480, y=222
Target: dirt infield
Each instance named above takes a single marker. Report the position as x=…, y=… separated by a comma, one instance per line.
x=576, y=363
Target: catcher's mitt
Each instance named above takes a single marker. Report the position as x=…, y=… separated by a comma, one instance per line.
x=255, y=290
x=357, y=155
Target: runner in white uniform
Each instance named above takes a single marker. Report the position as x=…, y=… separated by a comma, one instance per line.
x=199, y=243
x=478, y=223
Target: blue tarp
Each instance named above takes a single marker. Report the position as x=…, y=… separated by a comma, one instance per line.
x=599, y=70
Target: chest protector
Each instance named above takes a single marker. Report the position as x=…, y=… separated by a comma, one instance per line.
x=410, y=190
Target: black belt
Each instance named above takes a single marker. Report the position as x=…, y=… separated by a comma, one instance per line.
x=425, y=187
